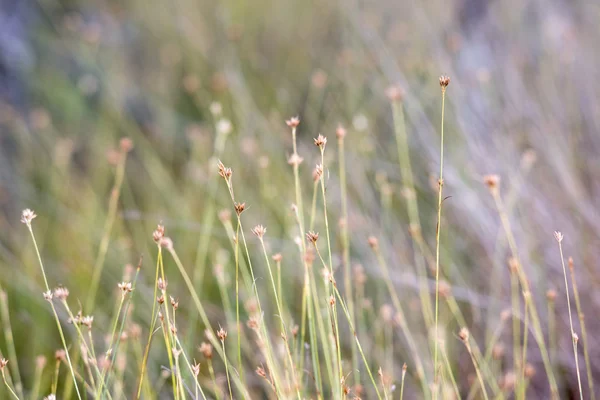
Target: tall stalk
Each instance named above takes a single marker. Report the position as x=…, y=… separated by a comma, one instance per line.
x=444, y=81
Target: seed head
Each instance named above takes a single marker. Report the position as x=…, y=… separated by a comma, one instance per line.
x=196, y=369
x=224, y=171
x=318, y=172
x=492, y=182
x=125, y=287
x=558, y=236
x=444, y=82
x=260, y=371
x=3, y=363
x=571, y=263
x=160, y=299
x=61, y=293
x=48, y=295
x=126, y=144
x=331, y=300
x=394, y=93
x=340, y=132
x=166, y=243
x=551, y=294
x=222, y=334
x=239, y=208
x=373, y=242
x=158, y=233
x=206, y=350
x=575, y=337
x=277, y=257
x=27, y=216
x=259, y=231
x=87, y=321
x=174, y=303
x=60, y=355
x=312, y=237
x=295, y=160
x=223, y=126
x=464, y=335
x=320, y=141
x=162, y=284
x=293, y=122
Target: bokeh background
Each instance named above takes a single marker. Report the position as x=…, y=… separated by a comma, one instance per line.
x=77, y=76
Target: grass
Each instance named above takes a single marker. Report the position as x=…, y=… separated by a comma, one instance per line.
x=384, y=270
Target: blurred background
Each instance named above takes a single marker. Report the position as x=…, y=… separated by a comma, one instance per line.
x=77, y=76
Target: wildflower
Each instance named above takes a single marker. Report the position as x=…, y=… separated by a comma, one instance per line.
x=558, y=236
x=340, y=132
x=196, y=369
x=206, y=350
x=239, y=208
x=394, y=93
x=222, y=334
x=125, y=287
x=293, y=122
x=259, y=231
x=27, y=216
x=61, y=293
x=87, y=321
x=444, y=82
x=295, y=160
x=320, y=141
x=312, y=237
x=224, y=171
x=158, y=233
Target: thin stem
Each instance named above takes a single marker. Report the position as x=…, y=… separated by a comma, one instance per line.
x=573, y=335
x=10, y=342
x=227, y=371
x=437, y=244
x=60, y=330
x=7, y=385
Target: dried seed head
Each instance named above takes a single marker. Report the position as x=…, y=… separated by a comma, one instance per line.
x=27, y=216
x=373, y=242
x=295, y=160
x=252, y=323
x=320, y=141
x=529, y=371
x=166, y=243
x=174, y=303
x=259, y=231
x=404, y=368
x=61, y=293
x=551, y=294
x=260, y=371
x=444, y=289
x=160, y=299
x=293, y=122
x=571, y=263
x=394, y=93
x=239, y=208
x=312, y=237
x=222, y=334
x=558, y=236
x=340, y=132
x=48, y=295
x=60, y=355
x=294, y=330
x=224, y=215
x=162, y=284
x=464, y=335
x=206, y=350
x=277, y=257
x=224, y=171
x=87, y=321
x=196, y=369
x=125, y=287
x=158, y=233
x=492, y=182
x=125, y=144
x=498, y=351
x=575, y=337
x=3, y=363
x=331, y=301
x=318, y=172
x=444, y=82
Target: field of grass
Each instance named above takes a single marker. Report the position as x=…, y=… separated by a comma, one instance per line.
x=299, y=200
